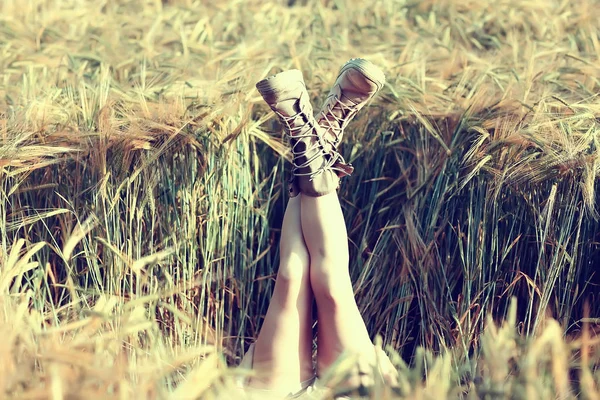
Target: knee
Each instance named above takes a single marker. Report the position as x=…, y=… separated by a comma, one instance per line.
x=330, y=279
x=294, y=267
x=329, y=256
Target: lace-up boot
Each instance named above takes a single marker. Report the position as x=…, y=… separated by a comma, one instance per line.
x=317, y=166
x=357, y=82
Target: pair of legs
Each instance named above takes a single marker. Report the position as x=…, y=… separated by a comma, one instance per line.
x=314, y=243
x=313, y=262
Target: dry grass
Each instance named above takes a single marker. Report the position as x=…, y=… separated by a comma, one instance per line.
x=141, y=180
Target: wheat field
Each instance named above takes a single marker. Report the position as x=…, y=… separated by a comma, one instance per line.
x=141, y=182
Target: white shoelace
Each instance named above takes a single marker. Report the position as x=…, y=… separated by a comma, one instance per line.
x=338, y=124
x=308, y=130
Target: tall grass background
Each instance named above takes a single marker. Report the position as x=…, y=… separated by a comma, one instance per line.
x=142, y=190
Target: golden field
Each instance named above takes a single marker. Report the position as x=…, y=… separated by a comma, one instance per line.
x=141, y=191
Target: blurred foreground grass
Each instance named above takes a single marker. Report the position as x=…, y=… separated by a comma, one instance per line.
x=141, y=194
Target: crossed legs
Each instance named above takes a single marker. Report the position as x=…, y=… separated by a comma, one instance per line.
x=314, y=242
x=314, y=258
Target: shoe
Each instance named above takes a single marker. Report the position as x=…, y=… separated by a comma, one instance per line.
x=358, y=81
x=317, y=166
x=242, y=382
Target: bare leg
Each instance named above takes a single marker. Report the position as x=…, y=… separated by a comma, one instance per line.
x=341, y=327
x=283, y=349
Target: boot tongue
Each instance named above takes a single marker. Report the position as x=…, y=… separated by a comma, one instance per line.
x=340, y=111
x=292, y=108
x=336, y=110
x=288, y=107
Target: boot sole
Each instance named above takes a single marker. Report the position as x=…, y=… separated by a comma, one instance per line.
x=368, y=69
x=277, y=83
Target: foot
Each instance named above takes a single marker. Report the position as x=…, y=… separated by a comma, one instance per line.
x=317, y=166
x=358, y=81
